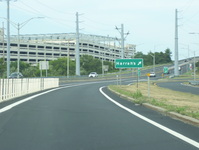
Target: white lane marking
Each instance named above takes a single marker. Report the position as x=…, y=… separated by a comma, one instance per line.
x=174, y=133
x=25, y=100
x=32, y=97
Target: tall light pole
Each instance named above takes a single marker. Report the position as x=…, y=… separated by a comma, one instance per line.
x=153, y=62
x=77, y=57
x=176, y=69
x=194, y=66
x=8, y=37
x=19, y=26
x=194, y=60
x=68, y=57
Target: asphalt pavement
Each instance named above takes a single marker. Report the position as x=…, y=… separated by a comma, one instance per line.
x=80, y=117
x=179, y=86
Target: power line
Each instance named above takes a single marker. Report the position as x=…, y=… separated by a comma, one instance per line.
x=52, y=8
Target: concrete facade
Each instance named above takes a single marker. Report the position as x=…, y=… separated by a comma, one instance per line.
x=45, y=47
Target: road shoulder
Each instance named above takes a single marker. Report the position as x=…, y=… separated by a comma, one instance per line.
x=174, y=115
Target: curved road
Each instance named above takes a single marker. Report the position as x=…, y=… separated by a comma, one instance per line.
x=88, y=117
x=178, y=86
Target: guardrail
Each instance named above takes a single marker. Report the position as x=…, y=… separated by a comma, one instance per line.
x=11, y=88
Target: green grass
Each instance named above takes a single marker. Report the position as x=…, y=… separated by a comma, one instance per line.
x=139, y=97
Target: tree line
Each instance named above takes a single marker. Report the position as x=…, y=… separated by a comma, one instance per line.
x=58, y=67
x=160, y=57
x=87, y=64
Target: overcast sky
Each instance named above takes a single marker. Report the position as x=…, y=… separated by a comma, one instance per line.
x=151, y=23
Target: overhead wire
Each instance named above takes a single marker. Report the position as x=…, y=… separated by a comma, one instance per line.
x=27, y=8
x=52, y=8
x=185, y=9
x=109, y=27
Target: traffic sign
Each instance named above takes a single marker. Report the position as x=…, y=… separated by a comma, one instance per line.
x=166, y=70
x=129, y=63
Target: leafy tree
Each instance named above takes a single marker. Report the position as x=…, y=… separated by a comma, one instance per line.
x=90, y=64
x=168, y=55
x=111, y=66
x=32, y=71
x=59, y=67
x=24, y=68
x=139, y=55
x=160, y=57
x=2, y=67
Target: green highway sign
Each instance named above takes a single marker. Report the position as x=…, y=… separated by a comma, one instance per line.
x=166, y=70
x=129, y=63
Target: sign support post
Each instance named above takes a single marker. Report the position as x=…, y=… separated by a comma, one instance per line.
x=129, y=63
x=148, y=75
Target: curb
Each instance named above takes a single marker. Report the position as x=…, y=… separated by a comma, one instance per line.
x=174, y=115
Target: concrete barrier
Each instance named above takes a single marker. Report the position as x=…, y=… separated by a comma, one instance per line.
x=11, y=88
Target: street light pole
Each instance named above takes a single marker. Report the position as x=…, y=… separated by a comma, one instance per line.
x=68, y=57
x=176, y=68
x=153, y=62
x=194, y=60
x=19, y=26
x=77, y=57
x=194, y=66
x=18, y=47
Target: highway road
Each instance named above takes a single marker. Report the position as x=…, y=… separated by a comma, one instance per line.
x=179, y=86
x=87, y=116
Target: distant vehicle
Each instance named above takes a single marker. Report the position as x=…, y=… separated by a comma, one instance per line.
x=15, y=75
x=152, y=74
x=93, y=74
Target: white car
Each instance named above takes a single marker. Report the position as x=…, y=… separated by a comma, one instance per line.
x=152, y=74
x=93, y=74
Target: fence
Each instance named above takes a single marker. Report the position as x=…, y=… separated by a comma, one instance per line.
x=11, y=88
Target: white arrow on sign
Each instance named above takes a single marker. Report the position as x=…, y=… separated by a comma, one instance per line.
x=140, y=63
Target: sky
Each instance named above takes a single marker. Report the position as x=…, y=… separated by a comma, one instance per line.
x=151, y=23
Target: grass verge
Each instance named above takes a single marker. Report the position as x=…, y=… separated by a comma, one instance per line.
x=173, y=101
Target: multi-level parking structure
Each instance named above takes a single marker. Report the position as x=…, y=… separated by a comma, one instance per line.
x=45, y=47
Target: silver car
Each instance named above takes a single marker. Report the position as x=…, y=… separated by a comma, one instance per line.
x=15, y=75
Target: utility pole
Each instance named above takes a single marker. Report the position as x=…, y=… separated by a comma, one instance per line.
x=122, y=42
x=68, y=59
x=176, y=69
x=122, y=45
x=8, y=37
x=77, y=58
x=122, y=39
